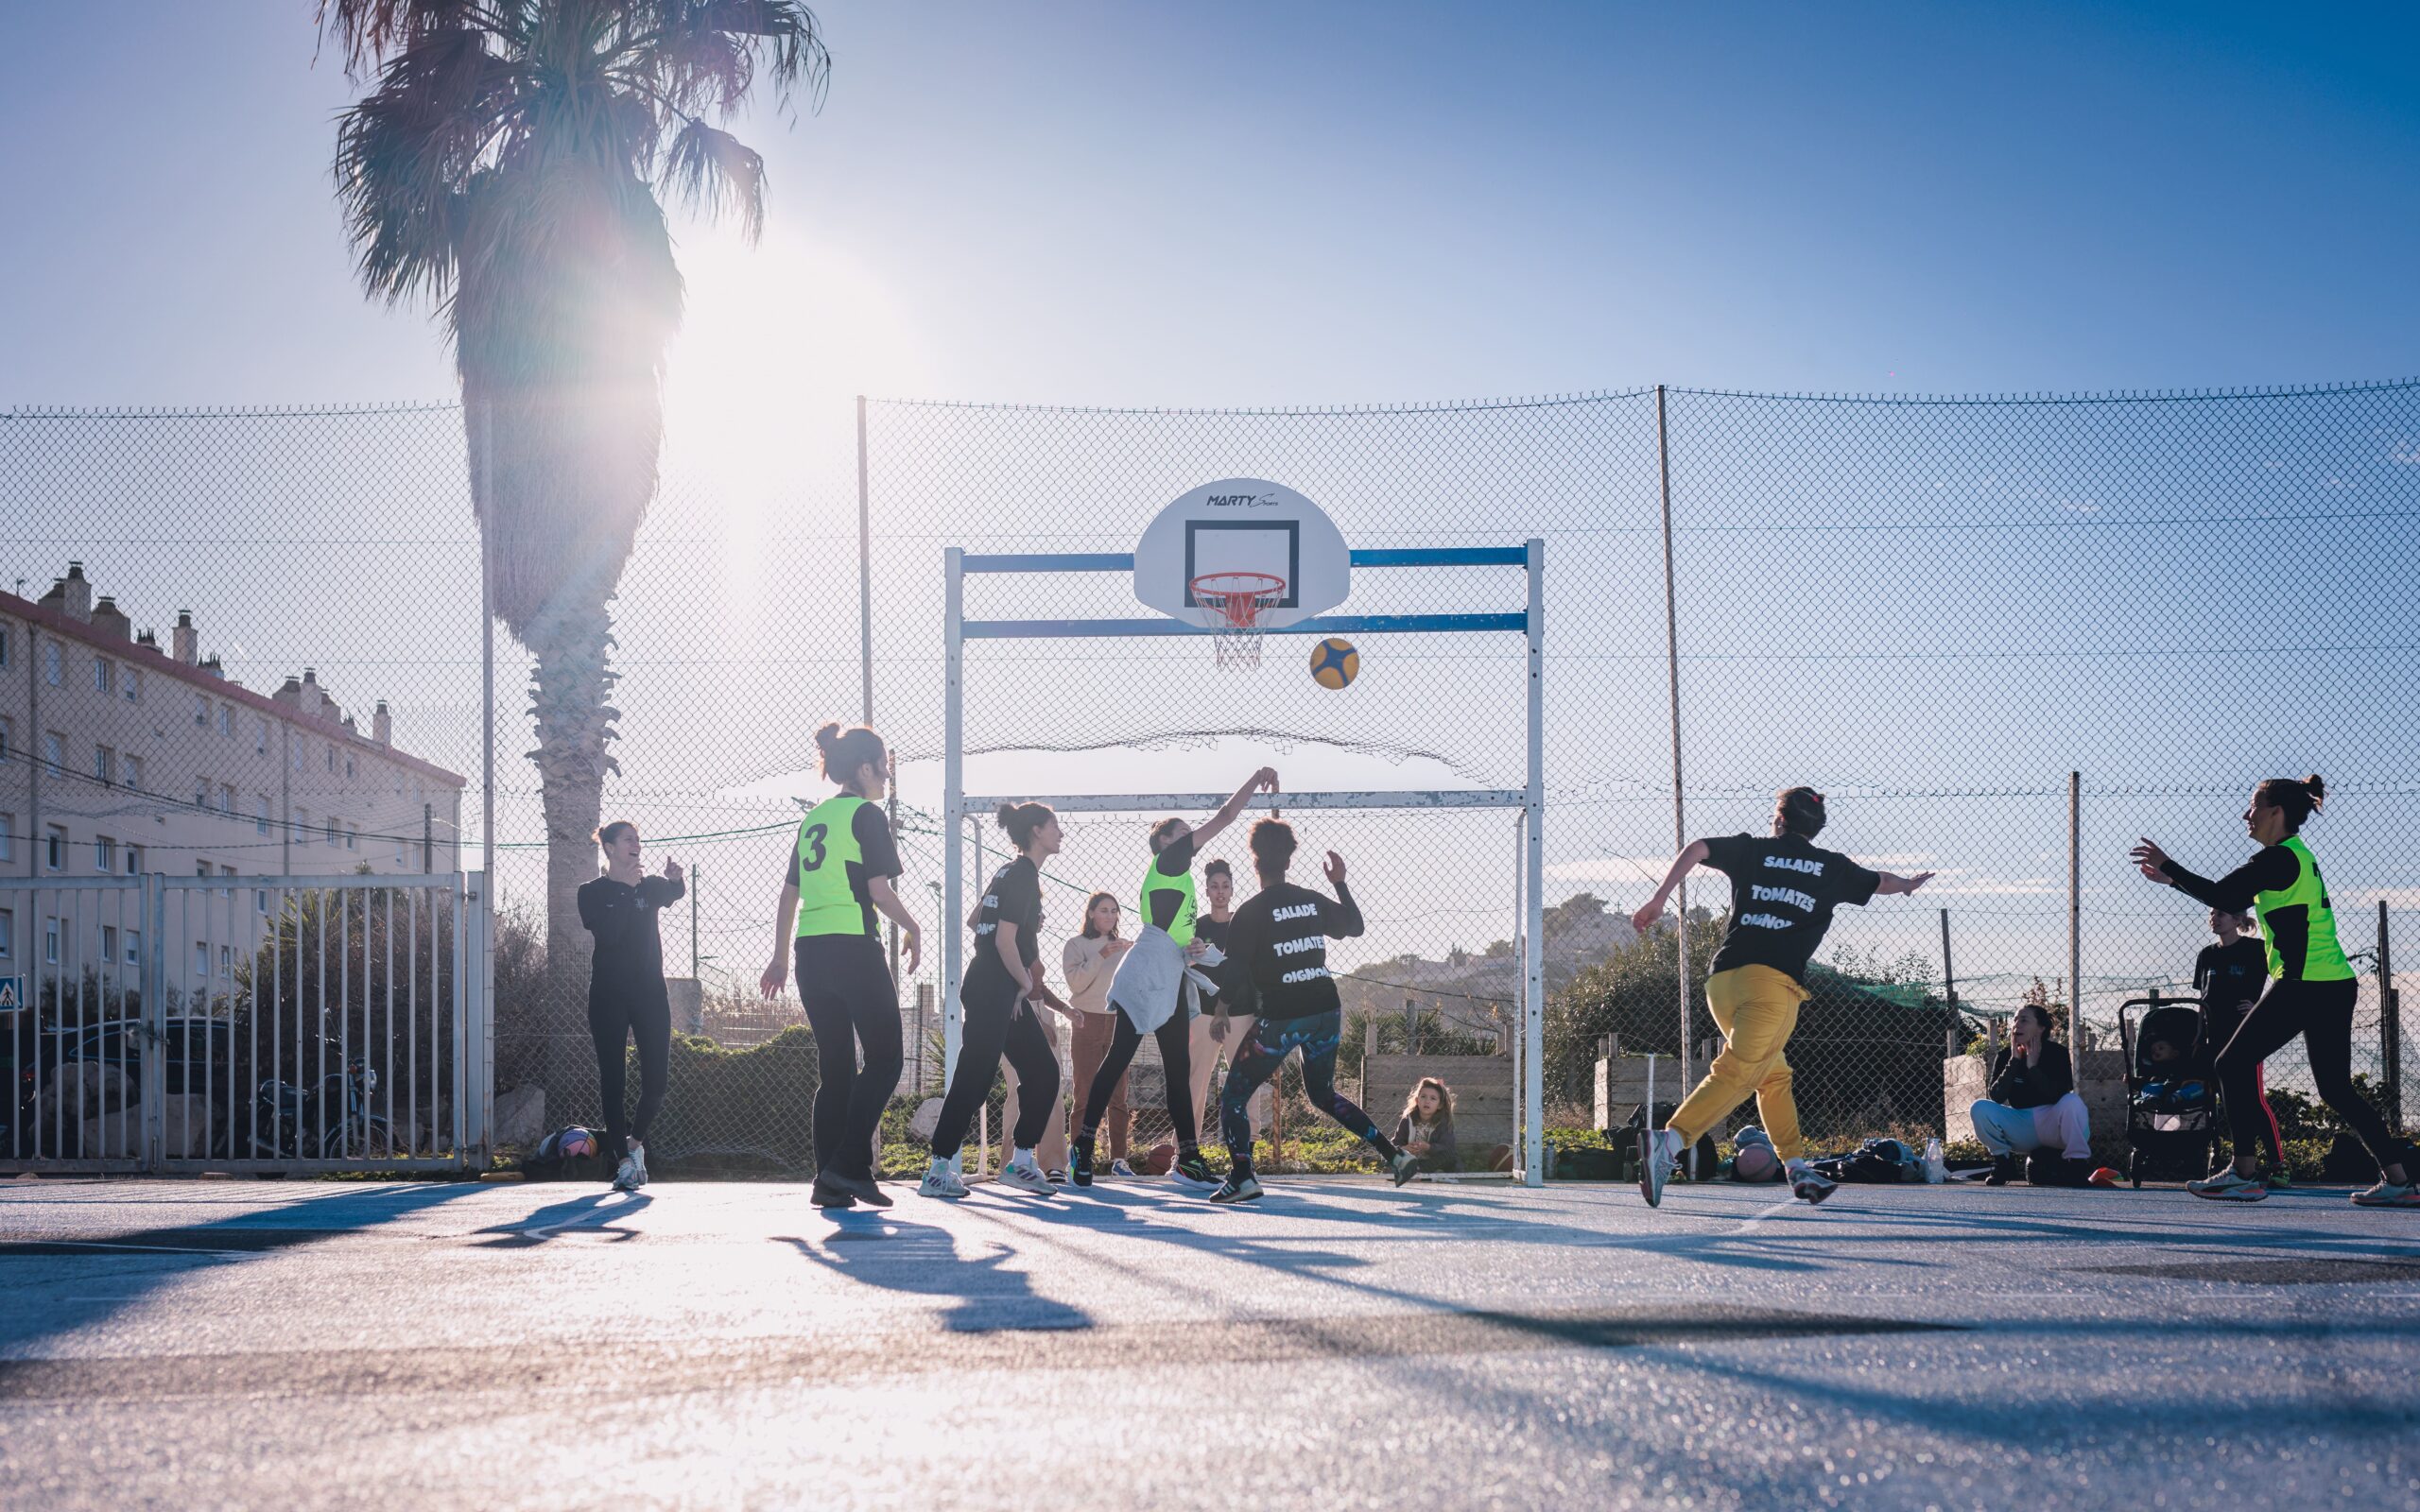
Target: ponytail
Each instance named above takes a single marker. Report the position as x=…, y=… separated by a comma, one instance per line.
x=1799, y=811
x=1022, y=820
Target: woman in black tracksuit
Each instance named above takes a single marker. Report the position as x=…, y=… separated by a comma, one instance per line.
x=2311, y=995
x=626, y=997
x=1002, y=988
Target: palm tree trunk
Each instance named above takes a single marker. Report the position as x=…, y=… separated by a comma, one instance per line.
x=569, y=689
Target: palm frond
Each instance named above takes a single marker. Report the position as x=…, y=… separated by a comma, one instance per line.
x=715, y=172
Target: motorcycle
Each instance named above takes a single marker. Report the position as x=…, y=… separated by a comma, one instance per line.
x=329, y=1121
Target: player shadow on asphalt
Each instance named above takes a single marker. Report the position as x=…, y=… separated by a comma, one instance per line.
x=548, y=1223
x=158, y=1247
x=919, y=1260
x=2205, y=1229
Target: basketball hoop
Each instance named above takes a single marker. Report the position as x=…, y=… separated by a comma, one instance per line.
x=1230, y=605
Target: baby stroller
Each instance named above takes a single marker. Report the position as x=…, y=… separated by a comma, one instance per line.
x=2172, y=1093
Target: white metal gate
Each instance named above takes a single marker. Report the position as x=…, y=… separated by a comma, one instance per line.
x=167, y=1024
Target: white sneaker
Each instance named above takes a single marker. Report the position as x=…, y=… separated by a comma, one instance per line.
x=1120, y=1169
x=2387, y=1194
x=1026, y=1180
x=638, y=1165
x=2225, y=1186
x=942, y=1183
x=1809, y=1186
x=1659, y=1154
x=628, y=1175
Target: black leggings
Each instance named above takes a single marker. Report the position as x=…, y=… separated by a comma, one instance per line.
x=1176, y=1062
x=2322, y=1013
x=613, y=1019
x=852, y=1005
x=1318, y=1038
x=998, y=1022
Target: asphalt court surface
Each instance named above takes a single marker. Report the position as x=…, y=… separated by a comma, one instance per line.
x=1342, y=1343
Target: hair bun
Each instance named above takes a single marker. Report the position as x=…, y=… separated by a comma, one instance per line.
x=2317, y=787
x=828, y=736
x=1007, y=814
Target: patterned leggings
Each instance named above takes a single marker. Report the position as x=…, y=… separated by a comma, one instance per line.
x=1257, y=1062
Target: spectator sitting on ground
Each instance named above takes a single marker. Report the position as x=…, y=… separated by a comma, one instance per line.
x=2032, y=1105
x=1426, y=1127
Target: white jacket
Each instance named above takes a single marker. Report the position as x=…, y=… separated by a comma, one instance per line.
x=1155, y=980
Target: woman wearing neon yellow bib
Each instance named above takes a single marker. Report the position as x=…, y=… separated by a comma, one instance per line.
x=2311, y=992
x=1154, y=991
x=837, y=878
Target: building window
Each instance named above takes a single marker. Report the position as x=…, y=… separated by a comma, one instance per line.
x=131, y=768
x=134, y=861
x=201, y=958
x=104, y=766
x=104, y=854
x=260, y=901
x=7, y=837
x=226, y=720
x=8, y=935
x=104, y=681
x=4, y=646
x=201, y=869
x=54, y=842
x=200, y=792
x=8, y=739
x=226, y=962
x=132, y=682
x=54, y=751
x=301, y=826
x=50, y=941
x=348, y=766
x=201, y=711
x=226, y=799
x=260, y=737
x=331, y=755
x=50, y=662
x=109, y=943
x=260, y=813
x=135, y=947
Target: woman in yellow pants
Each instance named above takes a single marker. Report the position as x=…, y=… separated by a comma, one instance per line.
x=1783, y=891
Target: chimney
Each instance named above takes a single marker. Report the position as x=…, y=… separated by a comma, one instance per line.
x=184, y=643
x=213, y=666
x=148, y=640
x=382, y=724
x=111, y=620
x=312, y=696
x=78, y=595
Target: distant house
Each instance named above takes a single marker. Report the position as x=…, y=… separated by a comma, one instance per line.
x=1581, y=931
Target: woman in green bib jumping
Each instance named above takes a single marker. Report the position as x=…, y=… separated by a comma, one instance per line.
x=838, y=879
x=2311, y=992
x=1155, y=992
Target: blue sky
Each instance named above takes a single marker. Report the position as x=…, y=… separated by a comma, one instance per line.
x=1250, y=203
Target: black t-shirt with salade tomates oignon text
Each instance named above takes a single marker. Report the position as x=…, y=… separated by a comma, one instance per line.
x=1783, y=891
x=1013, y=897
x=1277, y=950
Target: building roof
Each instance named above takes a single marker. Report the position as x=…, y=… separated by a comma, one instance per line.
x=151, y=659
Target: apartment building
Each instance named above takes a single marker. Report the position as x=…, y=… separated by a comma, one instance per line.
x=118, y=759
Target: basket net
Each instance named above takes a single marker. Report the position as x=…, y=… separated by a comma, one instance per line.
x=1231, y=606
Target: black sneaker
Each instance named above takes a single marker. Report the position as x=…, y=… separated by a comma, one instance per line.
x=1079, y=1161
x=862, y=1188
x=1194, y=1171
x=1237, y=1188
x=829, y=1193
x=2005, y=1170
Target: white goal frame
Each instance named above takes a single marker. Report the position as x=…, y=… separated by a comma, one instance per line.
x=1527, y=801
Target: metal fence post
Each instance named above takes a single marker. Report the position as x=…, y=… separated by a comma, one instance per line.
x=2075, y=921
x=155, y=1028
x=1672, y=675
x=2390, y=1025
x=953, y=791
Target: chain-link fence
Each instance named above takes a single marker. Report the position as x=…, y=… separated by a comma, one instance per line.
x=1934, y=610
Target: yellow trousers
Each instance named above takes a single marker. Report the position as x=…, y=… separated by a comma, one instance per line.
x=1757, y=1007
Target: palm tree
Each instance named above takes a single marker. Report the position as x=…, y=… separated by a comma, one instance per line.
x=507, y=168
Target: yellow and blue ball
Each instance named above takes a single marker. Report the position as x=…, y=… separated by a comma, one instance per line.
x=1334, y=663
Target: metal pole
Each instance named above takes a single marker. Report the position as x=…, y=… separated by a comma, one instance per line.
x=427, y=839
x=952, y=792
x=697, y=880
x=2390, y=1025
x=2075, y=921
x=1673, y=676
x=1533, y=975
x=487, y=640
x=865, y=626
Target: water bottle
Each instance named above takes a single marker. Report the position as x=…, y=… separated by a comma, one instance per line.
x=1936, y=1168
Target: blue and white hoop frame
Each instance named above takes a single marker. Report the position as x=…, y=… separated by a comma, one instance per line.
x=1527, y=801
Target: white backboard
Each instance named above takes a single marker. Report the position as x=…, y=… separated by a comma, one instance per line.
x=1243, y=526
